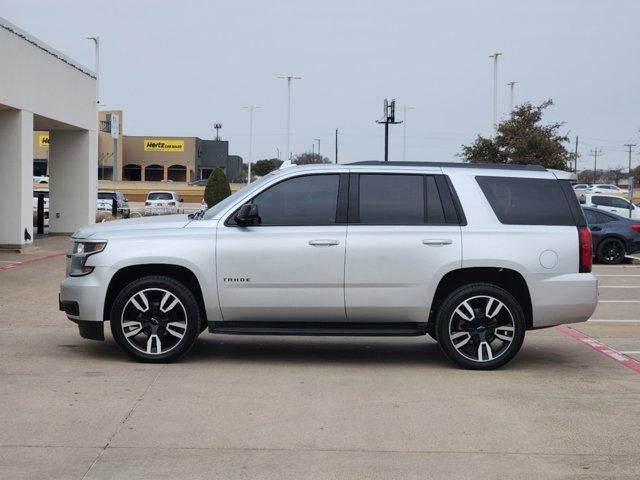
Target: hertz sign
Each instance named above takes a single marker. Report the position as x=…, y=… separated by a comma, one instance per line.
x=43, y=140
x=164, y=145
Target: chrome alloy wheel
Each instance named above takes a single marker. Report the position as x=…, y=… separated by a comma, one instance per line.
x=154, y=321
x=481, y=328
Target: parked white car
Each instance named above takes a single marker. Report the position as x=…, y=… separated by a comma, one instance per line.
x=40, y=179
x=580, y=187
x=611, y=203
x=606, y=189
x=161, y=202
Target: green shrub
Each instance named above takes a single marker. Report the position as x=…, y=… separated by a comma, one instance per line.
x=217, y=188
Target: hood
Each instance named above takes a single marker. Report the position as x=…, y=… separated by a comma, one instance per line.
x=130, y=224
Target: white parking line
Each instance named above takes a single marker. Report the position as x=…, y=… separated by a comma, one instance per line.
x=618, y=266
x=613, y=275
x=9, y=261
x=618, y=301
x=618, y=286
x=632, y=352
x=612, y=320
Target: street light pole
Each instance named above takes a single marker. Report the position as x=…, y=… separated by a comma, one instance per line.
x=495, y=89
x=251, y=108
x=404, y=132
x=630, y=178
x=511, y=84
x=289, y=78
x=318, y=140
x=96, y=41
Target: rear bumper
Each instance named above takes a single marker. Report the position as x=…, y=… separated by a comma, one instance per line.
x=569, y=298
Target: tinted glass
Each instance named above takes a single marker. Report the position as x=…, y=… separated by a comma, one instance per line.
x=602, y=201
x=435, y=213
x=159, y=196
x=310, y=200
x=603, y=218
x=392, y=199
x=619, y=203
x=105, y=196
x=36, y=194
x=591, y=217
x=527, y=201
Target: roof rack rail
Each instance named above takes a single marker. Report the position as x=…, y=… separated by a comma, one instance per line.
x=495, y=166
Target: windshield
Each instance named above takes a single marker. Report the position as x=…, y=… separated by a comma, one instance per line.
x=220, y=206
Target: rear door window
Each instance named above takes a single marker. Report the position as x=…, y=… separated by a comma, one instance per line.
x=527, y=201
x=392, y=199
x=602, y=201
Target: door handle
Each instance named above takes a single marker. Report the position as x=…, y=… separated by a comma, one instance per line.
x=437, y=241
x=323, y=243
x=596, y=229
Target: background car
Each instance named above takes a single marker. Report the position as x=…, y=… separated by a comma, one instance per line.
x=40, y=179
x=613, y=236
x=605, y=188
x=160, y=202
x=580, y=187
x=106, y=199
x=200, y=183
x=611, y=203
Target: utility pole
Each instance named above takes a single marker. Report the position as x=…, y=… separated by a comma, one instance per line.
x=594, y=153
x=313, y=149
x=289, y=78
x=511, y=84
x=251, y=108
x=404, y=132
x=318, y=140
x=277, y=153
x=96, y=41
x=336, y=145
x=630, y=180
x=388, y=118
x=495, y=90
x=575, y=158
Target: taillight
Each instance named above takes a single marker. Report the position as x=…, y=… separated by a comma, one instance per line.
x=635, y=227
x=586, y=249
x=147, y=203
x=172, y=203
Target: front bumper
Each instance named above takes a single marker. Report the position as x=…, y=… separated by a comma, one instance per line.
x=82, y=300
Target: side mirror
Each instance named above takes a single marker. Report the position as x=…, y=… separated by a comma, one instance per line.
x=247, y=215
x=181, y=200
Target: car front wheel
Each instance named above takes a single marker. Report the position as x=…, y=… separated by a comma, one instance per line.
x=480, y=326
x=155, y=319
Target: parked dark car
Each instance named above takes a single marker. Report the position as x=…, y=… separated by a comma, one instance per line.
x=613, y=236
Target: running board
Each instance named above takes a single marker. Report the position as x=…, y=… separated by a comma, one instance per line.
x=320, y=328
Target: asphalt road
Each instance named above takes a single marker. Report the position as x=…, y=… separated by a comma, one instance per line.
x=312, y=408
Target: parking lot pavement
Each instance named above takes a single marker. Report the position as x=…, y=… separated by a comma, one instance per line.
x=312, y=408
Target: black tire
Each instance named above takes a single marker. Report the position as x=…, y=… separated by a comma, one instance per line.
x=431, y=331
x=172, y=317
x=468, y=336
x=611, y=251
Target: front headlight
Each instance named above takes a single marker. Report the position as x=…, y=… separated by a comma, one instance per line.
x=79, y=252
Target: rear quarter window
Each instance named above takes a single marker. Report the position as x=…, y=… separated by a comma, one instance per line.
x=528, y=201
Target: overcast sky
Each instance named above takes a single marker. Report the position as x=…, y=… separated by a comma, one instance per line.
x=176, y=67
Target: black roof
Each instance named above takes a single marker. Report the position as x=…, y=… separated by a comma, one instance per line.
x=495, y=166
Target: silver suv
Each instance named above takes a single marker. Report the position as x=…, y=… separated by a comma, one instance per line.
x=473, y=255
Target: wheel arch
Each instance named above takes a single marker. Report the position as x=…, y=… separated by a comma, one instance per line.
x=511, y=280
x=128, y=274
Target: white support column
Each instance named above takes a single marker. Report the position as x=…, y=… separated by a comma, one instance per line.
x=16, y=177
x=73, y=179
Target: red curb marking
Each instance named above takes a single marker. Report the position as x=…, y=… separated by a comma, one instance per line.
x=601, y=347
x=28, y=262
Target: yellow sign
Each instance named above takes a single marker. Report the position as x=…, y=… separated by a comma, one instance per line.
x=43, y=140
x=164, y=145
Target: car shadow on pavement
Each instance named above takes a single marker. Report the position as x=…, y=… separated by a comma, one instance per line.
x=422, y=351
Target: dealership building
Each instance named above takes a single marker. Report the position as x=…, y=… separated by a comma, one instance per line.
x=147, y=157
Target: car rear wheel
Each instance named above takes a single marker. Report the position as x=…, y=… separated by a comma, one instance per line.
x=611, y=251
x=155, y=319
x=480, y=326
